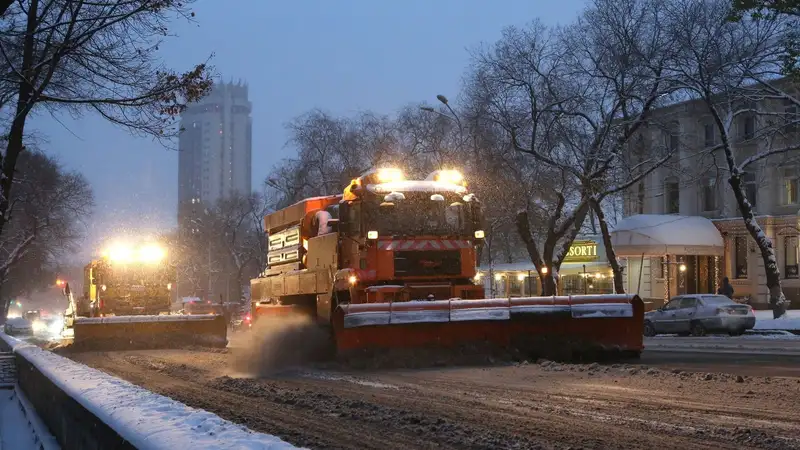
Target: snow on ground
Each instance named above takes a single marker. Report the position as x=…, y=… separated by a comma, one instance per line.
x=145, y=419
x=349, y=379
x=20, y=428
x=764, y=320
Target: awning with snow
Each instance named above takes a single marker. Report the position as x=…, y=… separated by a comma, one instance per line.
x=659, y=235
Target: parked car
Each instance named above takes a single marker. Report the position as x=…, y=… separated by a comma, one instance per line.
x=698, y=314
x=18, y=326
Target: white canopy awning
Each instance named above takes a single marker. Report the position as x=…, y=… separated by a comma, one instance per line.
x=659, y=235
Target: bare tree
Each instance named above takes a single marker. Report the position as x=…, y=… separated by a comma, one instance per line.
x=571, y=100
x=732, y=69
x=97, y=56
x=227, y=240
x=771, y=10
x=48, y=206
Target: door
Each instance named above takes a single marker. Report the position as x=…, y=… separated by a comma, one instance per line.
x=691, y=275
x=664, y=318
x=687, y=311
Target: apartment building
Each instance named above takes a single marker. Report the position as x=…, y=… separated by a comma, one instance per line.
x=667, y=238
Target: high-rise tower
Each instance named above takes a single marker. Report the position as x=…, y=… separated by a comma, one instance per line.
x=215, y=149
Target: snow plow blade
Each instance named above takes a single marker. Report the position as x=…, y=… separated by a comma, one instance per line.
x=558, y=327
x=130, y=332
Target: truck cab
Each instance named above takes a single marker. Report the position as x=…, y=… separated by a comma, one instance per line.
x=385, y=239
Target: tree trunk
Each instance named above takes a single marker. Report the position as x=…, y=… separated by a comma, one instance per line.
x=777, y=300
x=16, y=132
x=610, y=254
x=548, y=283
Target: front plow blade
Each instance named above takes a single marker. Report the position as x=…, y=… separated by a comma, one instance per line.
x=542, y=326
x=130, y=332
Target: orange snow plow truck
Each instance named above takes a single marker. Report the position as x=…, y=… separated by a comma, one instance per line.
x=390, y=264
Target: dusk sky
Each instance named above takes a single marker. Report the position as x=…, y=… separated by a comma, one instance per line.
x=341, y=56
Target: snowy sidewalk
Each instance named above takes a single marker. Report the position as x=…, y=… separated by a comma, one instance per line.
x=789, y=322
x=20, y=428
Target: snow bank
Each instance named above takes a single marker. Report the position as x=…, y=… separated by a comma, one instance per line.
x=764, y=321
x=145, y=419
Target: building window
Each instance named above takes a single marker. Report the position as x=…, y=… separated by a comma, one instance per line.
x=790, y=115
x=672, y=196
x=672, y=137
x=750, y=187
x=748, y=127
x=790, y=257
x=740, y=254
x=709, y=135
x=790, y=187
x=709, y=194
x=640, y=199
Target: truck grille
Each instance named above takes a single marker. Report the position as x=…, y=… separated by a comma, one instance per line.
x=427, y=263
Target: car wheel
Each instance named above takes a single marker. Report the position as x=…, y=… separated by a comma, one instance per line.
x=649, y=329
x=698, y=329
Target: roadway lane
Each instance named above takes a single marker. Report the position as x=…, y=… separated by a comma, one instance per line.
x=745, y=355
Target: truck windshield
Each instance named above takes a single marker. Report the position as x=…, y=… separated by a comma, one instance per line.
x=419, y=213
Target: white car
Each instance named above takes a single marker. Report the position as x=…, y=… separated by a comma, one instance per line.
x=18, y=326
x=697, y=314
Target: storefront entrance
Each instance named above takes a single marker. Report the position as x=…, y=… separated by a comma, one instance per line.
x=699, y=276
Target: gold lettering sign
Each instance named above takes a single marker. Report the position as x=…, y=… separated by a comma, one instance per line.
x=582, y=251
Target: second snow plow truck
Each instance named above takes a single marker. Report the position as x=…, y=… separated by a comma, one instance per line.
x=126, y=302
x=390, y=264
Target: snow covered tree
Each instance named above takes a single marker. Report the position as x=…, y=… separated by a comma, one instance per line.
x=734, y=69
x=48, y=206
x=99, y=56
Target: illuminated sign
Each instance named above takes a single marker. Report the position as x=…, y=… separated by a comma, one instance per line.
x=582, y=251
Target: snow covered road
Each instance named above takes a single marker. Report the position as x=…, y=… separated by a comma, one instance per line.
x=529, y=405
x=784, y=344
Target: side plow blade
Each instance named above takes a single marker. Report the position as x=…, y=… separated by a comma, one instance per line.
x=546, y=326
x=128, y=332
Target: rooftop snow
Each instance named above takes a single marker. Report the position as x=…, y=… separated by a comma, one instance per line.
x=145, y=419
x=657, y=234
